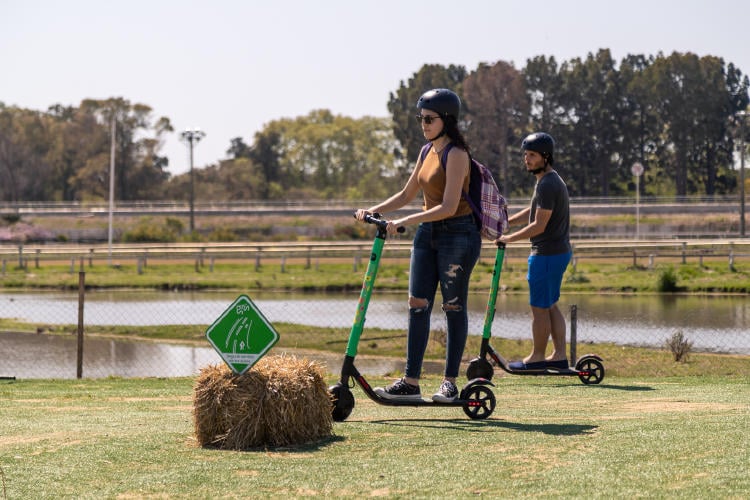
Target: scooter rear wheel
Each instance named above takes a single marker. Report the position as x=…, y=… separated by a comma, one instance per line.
x=480, y=402
x=592, y=370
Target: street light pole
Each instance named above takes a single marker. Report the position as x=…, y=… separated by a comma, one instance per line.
x=192, y=137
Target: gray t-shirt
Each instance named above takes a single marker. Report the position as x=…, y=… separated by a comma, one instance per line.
x=551, y=193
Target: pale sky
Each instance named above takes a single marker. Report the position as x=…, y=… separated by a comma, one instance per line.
x=229, y=67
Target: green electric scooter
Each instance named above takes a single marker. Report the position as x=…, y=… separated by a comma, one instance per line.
x=588, y=368
x=475, y=398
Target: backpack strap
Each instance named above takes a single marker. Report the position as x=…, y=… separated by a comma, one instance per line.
x=444, y=162
x=444, y=157
x=424, y=151
x=464, y=194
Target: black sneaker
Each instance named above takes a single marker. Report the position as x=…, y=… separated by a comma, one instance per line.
x=447, y=393
x=400, y=390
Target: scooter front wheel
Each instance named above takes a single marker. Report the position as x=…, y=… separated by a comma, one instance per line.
x=342, y=401
x=480, y=402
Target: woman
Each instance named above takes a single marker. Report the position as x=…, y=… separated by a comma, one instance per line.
x=446, y=245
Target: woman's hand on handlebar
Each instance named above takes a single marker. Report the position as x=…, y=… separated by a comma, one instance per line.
x=361, y=213
x=395, y=226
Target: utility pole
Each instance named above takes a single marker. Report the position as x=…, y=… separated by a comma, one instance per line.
x=192, y=137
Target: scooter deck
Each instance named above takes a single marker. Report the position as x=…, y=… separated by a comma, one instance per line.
x=502, y=363
x=351, y=370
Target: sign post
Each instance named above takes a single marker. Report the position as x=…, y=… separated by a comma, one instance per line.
x=241, y=335
x=637, y=170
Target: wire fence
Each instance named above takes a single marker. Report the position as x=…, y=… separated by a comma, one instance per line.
x=49, y=334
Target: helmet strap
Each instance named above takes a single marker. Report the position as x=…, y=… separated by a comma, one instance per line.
x=540, y=169
x=441, y=134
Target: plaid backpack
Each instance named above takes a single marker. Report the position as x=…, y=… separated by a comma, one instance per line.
x=484, y=197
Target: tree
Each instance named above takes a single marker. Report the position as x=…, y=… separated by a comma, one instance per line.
x=24, y=144
x=497, y=113
x=641, y=123
x=545, y=89
x=238, y=149
x=319, y=155
x=403, y=107
x=140, y=171
x=697, y=99
x=591, y=97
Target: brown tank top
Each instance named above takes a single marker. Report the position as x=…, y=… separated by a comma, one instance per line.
x=432, y=181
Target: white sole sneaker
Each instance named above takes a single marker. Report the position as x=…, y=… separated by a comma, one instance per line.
x=380, y=391
x=441, y=398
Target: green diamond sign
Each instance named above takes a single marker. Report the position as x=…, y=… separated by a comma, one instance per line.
x=241, y=335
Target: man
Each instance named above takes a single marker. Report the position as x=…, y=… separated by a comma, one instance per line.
x=548, y=227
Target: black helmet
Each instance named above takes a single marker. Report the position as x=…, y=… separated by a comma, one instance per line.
x=542, y=143
x=442, y=101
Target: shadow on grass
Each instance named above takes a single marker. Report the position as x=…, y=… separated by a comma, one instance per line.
x=300, y=448
x=628, y=388
x=483, y=425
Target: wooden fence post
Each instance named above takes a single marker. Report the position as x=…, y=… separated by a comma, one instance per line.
x=81, y=296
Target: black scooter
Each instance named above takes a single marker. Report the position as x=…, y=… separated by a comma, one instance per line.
x=588, y=368
x=475, y=398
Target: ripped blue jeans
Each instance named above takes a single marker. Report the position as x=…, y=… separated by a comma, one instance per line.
x=443, y=253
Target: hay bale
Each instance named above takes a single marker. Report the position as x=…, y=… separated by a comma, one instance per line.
x=280, y=401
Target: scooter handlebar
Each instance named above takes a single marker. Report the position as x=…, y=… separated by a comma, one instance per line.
x=382, y=223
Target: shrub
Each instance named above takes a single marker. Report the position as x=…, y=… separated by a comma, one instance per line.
x=679, y=345
x=149, y=231
x=667, y=281
x=223, y=234
x=576, y=277
x=11, y=218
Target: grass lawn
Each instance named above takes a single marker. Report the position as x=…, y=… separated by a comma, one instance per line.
x=642, y=436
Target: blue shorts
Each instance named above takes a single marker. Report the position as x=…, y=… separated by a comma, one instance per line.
x=545, y=278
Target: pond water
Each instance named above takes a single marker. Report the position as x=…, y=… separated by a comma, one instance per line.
x=715, y=323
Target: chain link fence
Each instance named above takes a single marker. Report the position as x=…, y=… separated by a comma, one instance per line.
x=39, y=330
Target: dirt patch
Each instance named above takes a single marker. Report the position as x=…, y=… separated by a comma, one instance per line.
x=186, y=399
x=50, y=436
x=671, y=406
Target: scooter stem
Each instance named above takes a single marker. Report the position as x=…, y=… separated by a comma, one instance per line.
x=366, y=293
x=489, y=314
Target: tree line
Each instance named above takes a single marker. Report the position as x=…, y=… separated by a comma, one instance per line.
x=680, y=116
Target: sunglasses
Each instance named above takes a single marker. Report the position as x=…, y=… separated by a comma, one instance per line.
x=428, y=119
